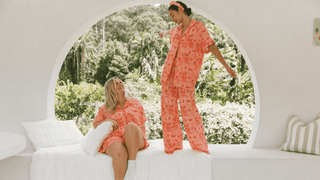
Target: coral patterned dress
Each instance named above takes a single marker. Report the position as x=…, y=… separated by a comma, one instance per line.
x=132, y=112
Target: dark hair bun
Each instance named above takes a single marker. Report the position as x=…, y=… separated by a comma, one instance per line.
x=188, y=11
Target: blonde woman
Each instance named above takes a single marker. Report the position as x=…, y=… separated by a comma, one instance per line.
x=128, y=136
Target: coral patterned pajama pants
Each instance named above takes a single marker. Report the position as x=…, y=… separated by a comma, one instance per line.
x=172, y=133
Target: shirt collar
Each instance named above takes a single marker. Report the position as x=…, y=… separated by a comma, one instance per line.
x=128, y=103
x=192, y=23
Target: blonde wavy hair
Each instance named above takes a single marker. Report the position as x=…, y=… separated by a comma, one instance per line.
x=111, y=100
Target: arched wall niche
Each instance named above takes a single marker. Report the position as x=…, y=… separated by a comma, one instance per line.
x=274, y=36
x=97, y=17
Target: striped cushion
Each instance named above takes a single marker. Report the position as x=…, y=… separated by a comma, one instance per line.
x=302, y=138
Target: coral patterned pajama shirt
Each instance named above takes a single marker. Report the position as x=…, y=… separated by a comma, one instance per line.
x=179, y=76
x=132, y=112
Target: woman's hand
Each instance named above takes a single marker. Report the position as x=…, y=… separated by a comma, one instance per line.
x=115, y=123
x=231, y=72
x=161, y=34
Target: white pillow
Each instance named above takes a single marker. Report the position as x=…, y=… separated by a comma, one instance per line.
x=51, y=132
x=93, y=140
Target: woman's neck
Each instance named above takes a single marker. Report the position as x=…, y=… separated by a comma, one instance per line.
x=186, y=22
x=122, y=100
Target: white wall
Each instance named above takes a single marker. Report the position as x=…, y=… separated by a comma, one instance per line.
x=274, y=36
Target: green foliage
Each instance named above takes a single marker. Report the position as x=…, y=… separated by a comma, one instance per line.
x=119, y=43
x=68, y=99
x=228, y=124
x=162, y=11
x=149, y=21
x=152, y=48
x=113, y=61
x=119, y=27
x=117, y=46
x=80, y=62
x=149, y=95
x=215, y=82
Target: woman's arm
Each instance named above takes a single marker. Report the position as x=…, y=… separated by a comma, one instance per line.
x=215, y=51
x=163, y=34
x=115, y=123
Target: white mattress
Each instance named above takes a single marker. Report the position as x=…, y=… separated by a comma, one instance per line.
x=74, y=163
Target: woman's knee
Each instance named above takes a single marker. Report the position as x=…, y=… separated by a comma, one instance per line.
x=117, y=150
x=131, y=128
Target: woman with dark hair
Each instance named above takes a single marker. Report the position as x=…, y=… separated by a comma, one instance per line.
x=189, y=41
x=129, y=135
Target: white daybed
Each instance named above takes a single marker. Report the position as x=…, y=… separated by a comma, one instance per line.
x=73, y=162
x=226, y=162
x=63, y=153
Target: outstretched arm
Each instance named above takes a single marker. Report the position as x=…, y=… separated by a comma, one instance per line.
x=215, y=51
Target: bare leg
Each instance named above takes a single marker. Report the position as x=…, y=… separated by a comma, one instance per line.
x=133, y=140
x=119, y=155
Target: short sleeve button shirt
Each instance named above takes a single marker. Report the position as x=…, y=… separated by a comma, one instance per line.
x=187, y=50
x=132, y=112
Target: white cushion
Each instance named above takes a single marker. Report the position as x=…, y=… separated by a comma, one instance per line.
x=302, y=138
x=51, y=132
x=93, y=140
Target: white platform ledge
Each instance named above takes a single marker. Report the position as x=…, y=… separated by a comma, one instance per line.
x=229, y=162
x=239, y=162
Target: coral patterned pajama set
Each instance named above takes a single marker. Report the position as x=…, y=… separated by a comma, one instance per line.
x=180, y=74
x=132, y=112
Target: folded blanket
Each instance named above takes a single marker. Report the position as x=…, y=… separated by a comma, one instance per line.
x=73, y=162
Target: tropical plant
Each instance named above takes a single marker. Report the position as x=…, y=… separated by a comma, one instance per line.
x=114, y=60
x=149, y=46
x=80, y=62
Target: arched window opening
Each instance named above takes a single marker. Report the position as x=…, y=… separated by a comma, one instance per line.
x=126, y=44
